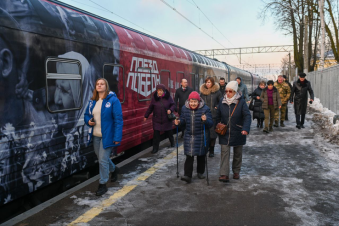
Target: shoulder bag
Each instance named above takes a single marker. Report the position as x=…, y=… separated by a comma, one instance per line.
x=222, y=128
x=171, y=116
x=251, y=106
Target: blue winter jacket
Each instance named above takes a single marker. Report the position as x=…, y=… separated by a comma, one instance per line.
x=194, y=134
x=240, y=121
x=111, y=120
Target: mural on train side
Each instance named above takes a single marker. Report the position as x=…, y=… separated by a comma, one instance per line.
x=40, y=146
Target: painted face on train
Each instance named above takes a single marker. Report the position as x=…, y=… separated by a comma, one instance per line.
x=64, y=98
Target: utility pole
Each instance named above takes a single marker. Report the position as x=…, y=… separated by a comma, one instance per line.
x=306, y=44
x=289, y=67
x=322, y=42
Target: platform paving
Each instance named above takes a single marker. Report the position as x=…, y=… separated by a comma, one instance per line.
x=285, y=180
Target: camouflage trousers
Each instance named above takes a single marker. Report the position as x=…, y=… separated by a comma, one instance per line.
x=282, y=114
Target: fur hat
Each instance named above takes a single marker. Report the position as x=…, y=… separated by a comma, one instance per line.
x=194, y=95
x=161, y=86
x=232, y=85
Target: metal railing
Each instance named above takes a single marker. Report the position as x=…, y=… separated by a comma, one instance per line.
x=325, y=84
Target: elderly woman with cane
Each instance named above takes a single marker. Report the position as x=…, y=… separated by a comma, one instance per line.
x=195, y=115
x=234, y=113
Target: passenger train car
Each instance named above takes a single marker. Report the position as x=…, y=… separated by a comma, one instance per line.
x=50, y=57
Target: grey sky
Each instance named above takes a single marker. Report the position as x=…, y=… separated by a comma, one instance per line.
x=236, y=19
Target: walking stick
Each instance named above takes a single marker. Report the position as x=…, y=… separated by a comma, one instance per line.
x=177, y=154
x=208, y=183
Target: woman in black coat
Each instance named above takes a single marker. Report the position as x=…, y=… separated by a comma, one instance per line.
x=209, y=92
x=299, y=96
x=258, y=112
x=233, y=112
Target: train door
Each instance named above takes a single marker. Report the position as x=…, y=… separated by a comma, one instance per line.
x=114, y=74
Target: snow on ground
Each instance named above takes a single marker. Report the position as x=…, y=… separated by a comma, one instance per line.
x=326, y=132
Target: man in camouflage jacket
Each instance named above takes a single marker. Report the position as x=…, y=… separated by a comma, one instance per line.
x=285, y=92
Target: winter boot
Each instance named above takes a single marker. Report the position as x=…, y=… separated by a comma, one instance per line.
x=211, y=154
x=270, y=129
x=101, y=190
x=258, y=124
x=187, y=179
x=155, y=150
x=262, y=124
x=276, y=124
x=201, y=176
x=282, y=124
x=266, y=130
x=298, y=126
x=172, y=142
x=114, y=174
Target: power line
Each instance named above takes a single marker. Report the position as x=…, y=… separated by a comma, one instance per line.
x=104, y=9
x=174, y=9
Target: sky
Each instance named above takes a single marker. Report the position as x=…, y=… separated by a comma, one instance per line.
x=236, y=24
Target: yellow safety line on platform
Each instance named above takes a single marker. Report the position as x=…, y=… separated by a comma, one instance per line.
x=95, y=211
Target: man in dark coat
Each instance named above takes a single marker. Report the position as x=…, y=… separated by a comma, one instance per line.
x=299, y=96
x=182, y=94
x=222, y=84
x=161, y=105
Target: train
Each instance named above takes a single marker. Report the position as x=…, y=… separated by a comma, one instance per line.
x=51, y=54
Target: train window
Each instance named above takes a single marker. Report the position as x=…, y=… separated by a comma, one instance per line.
x=146, y=83
x=114, y=74
x=64, y=84
x=165, y=78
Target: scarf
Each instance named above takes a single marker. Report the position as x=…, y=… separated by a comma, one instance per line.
x=232, y=100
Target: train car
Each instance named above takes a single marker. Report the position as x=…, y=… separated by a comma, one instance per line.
x=51, y=54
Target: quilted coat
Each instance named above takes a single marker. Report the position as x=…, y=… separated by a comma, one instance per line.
x=258, y=112
x=194, y=134
x=159, y=107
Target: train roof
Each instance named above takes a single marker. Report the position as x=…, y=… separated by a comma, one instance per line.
x=196, y=58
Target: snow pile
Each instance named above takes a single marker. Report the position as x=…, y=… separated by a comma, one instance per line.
x=324, y=117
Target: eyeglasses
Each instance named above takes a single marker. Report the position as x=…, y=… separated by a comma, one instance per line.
x=229, y=91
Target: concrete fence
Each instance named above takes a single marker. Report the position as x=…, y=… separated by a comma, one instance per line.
x=325, y=85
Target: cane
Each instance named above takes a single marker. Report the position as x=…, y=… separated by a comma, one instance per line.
x=208, y=183
x=177, y=153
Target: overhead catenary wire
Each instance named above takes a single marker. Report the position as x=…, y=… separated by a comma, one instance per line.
x=216, y=28
x=107, y=10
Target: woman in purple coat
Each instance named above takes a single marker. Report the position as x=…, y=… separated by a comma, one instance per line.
x=161, y=105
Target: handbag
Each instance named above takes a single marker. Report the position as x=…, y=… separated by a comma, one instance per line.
x=251, y=106
x=222, y=128
x=171, y=116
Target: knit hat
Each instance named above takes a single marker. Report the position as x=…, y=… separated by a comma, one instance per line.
x=194, y=95
x=233, y=85
x=161, y=86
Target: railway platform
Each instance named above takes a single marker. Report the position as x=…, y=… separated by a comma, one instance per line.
x=286, y=179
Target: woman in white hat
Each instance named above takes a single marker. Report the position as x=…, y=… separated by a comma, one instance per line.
x=233, y=112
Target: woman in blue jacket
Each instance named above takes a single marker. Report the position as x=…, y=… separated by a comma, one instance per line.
x=234, y=113
x=194, y=114
x=104, y=116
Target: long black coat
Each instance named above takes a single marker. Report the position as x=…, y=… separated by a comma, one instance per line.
x=159, y=107
x=194, y=136
x=258, y=112
x=241, y=120
x=299, y=96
